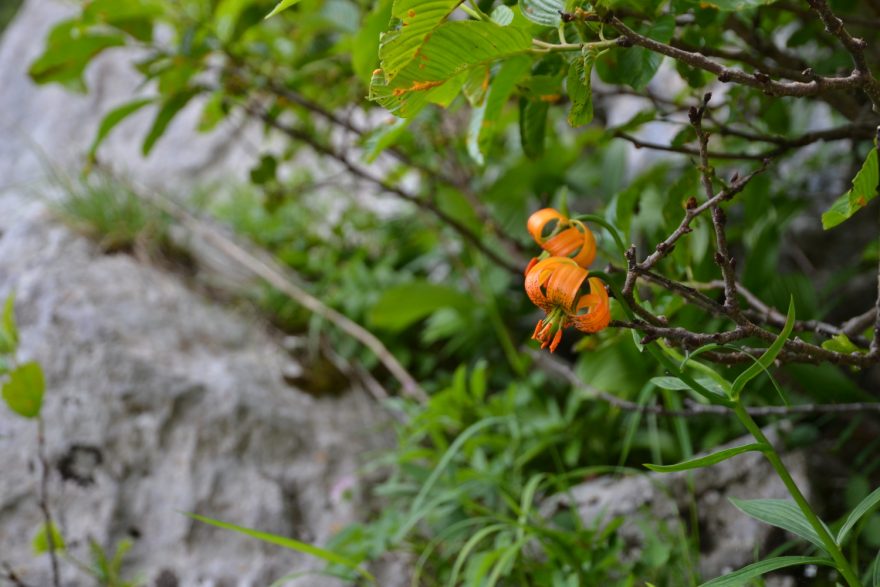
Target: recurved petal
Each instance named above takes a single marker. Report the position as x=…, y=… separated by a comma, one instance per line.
x=593, y=312
x=539, y=220
x=577, y=243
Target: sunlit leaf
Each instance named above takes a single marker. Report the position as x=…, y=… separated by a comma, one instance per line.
x=864, y=189
x=23, y=390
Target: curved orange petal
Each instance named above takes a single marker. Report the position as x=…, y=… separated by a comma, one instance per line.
x=536, y=279
x=597, y=307
x=577, y=243
x=539, y=220
x=564, y=284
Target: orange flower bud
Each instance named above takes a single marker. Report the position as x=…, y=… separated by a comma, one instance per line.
x=562, y=237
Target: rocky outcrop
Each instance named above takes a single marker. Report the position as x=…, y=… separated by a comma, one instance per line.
x=159, y=401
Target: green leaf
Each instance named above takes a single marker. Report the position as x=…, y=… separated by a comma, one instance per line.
x=840, y=343
x=542, y=12
x=365, y=44
x=415, y=23
x=637, y=66
x=532, y=126
x=746, y=574
x=40, y=542
x=708, y=460
x=452, y=48
x=864, y=507
x=282, y=6
x=484, y=119
x=384, y=137
x=169, y=109
x=69, y=49
x=113, y=118
x=673, y=383
x=875, y=574
x=289, y=543
x=781, y=513
x=402, y=305
x=864, y=189
x=502, y=15
x=580, y=91
x=8, y=328
x=23, y=391
x=765, y=360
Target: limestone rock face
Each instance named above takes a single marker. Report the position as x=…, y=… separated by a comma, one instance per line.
x=158, y=400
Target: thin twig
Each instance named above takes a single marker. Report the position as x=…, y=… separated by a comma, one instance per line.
x=10, y=575
x=49, y=530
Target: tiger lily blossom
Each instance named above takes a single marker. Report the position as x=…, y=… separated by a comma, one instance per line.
x=561, y=236
x=554, y=285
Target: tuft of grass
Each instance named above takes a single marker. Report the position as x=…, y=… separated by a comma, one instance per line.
x=112, y=214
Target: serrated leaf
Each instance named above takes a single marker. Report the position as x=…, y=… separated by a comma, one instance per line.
x=765, y=360
x=710, y=459
x=403, y=305
x=40, y=543
x=282, y=6
x=864, y=507
x=864, y=189
x=415, y=22
x=542, y=12
x=23, y=391
x=484, y=118
x=580, y=91
x=746, y=574
x=365, y=43
x=781, y=513
x=453, y=48
x=112, y=119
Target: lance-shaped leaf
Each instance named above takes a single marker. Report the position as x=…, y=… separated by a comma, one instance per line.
x=866, y=505
x=746, y=574
x=711, y=459
x=765, y=360
x=453, y=48
x=485, y=117
x=864, y=189
x=781, y=513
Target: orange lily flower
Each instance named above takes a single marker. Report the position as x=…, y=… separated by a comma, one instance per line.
x=561, y=236
x=554, y=285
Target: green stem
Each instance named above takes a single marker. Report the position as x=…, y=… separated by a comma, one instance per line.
x=544, y=47
x=776, y=462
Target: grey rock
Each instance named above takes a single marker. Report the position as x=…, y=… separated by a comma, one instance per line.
x=160, y=402
x=662, y=501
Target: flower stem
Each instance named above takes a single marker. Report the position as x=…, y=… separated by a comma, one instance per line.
x=776, y=462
